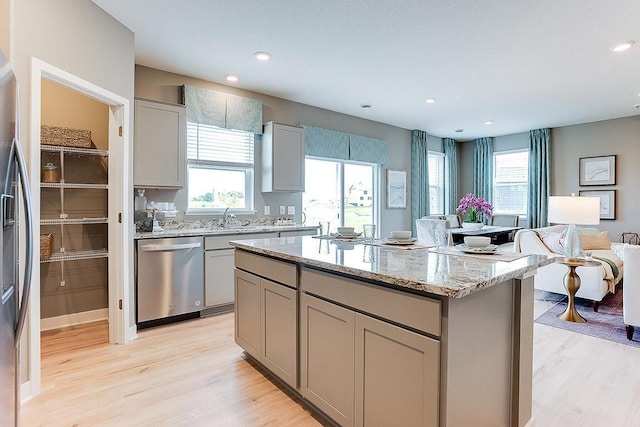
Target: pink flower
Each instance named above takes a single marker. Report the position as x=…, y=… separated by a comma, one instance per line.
x=474, y=207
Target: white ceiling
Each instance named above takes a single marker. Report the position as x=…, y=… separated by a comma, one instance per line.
x=523, y=64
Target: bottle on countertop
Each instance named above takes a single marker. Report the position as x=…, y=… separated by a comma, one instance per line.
x=140, y=202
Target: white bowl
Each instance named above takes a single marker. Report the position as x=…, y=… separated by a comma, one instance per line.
x=345, y=230
x=477, y=241
x=401, y=235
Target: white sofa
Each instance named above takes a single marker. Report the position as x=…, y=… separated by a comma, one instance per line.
x=631, y=289
x=595, y=282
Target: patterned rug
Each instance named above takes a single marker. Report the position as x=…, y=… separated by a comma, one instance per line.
x=606, y=324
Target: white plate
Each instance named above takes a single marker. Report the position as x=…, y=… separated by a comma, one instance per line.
x=347, y=236
x=399, y=242
x=485, y=250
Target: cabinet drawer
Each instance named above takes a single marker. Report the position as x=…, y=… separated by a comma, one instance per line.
x=278, y=271
x=415, y=311
x=222, y=242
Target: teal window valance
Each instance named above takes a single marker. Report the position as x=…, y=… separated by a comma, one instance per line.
x=224, y=110
x=333, y=144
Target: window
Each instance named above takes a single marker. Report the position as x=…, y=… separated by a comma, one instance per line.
x=339, y=192
x=220, y=168
x=510, y=182
x=436, y=183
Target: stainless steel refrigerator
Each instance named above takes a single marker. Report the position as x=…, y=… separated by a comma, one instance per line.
x=15, y=298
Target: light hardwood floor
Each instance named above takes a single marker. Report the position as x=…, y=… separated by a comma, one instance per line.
x=192, y=374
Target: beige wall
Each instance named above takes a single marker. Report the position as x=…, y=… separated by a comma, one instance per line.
x=67, y=108
x=163, y=86
x=5, y=27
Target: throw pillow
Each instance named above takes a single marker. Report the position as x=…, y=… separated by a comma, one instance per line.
x=591, y=241
x=553, y=241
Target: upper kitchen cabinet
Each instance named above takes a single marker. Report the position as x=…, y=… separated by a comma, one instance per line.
x=159, y=145
x=282, y=158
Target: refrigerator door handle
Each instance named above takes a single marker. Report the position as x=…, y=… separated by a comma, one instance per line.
x=7, y=293
x=28, y=220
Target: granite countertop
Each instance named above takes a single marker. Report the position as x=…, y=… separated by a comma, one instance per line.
x=219, y=231
x=445, y=274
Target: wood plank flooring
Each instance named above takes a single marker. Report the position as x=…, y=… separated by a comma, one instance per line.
x=193, y=374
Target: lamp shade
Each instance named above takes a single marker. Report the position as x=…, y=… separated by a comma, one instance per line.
x=574, y=210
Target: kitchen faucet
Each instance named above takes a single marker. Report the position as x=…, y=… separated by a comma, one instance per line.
x=226, y=217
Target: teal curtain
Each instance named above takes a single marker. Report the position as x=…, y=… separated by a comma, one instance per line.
x=419, y=177
x=483, y=168
x=333, y=144
x=450, y=175
x=539, y=177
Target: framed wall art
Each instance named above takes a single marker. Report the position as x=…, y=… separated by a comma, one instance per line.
x=396, y=189
x=607, y=202
x=598, y=170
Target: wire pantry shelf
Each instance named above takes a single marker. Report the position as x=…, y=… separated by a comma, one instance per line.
x=90, y=151
x=68, y=221
x=71, y=256
x=74, y=185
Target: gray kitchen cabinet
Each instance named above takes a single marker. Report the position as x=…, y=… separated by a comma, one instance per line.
x=247, y=312
x=282, y=158
x=278, y=329
x=327, y=348
x=218, y=267
x=159, y=148
x=396, y=375
x=266, y=313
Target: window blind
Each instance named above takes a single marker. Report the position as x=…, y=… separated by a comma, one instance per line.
x=510, y=178
x=211, y=144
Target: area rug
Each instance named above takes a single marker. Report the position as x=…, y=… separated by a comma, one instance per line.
x=606, y=324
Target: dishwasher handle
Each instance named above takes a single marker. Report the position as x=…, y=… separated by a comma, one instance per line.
x=176, y=247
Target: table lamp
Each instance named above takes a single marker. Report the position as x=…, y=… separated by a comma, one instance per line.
x=574, y=211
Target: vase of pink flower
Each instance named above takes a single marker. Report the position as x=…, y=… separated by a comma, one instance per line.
x=476, y=209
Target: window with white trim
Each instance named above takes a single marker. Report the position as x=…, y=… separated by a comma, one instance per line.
x=220, y=169
x=510, y=182
x=436, y=182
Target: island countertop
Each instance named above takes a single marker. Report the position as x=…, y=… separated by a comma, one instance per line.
x=422, y=270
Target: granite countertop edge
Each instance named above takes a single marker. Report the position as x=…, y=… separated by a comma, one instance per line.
x=457, y=290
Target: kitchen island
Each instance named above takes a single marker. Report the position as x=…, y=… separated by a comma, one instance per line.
x=382, y=335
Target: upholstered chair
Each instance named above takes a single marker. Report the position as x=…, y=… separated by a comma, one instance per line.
x=631, y=288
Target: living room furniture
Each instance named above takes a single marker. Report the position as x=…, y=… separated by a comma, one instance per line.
x=574, y=211
x=596, y=281
x=631, y=289
x=572, y=284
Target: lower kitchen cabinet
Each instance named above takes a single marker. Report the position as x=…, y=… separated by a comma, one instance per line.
x=327, y=350
x=396, y=375
x=218, y=277
x=363, y=371
x=266, y=324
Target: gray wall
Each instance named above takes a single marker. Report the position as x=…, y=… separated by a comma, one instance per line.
x=163, y=86
x=568, y=145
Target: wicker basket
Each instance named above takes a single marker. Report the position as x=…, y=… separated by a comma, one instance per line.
x=46, y=244
x=66, y=137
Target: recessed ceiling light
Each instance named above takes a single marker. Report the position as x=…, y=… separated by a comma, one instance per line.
x=365, y=106
x=488, y=122
x=621, y=47
x=231, y=78
x=263, y=56
x=430, y=100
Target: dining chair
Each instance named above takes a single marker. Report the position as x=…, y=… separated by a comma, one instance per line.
x=427, y=228
x=504, y=220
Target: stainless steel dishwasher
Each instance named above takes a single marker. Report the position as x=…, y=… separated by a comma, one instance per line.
x=170, y=277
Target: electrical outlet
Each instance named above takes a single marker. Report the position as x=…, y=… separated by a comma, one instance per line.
x=282, y=211
x=291, y=210
x=267, y=210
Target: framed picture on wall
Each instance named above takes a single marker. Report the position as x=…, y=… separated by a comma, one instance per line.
x=598, y=170
x=607, y=202
x=396, y=189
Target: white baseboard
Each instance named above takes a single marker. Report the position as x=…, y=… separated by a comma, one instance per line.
x=73, y=319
